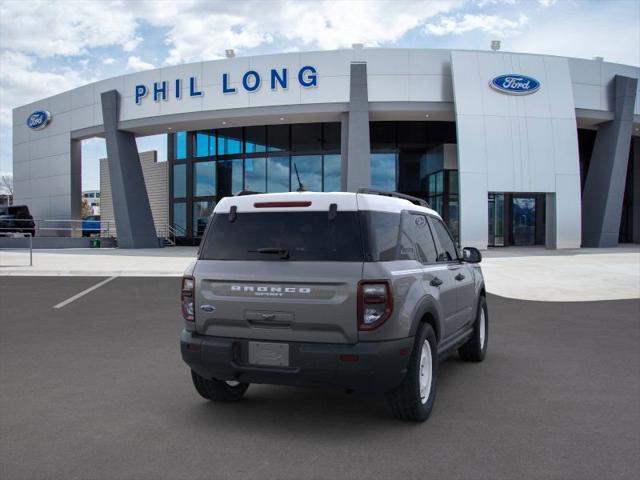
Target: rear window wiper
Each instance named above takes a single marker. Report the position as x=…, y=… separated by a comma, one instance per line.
x=283, y=252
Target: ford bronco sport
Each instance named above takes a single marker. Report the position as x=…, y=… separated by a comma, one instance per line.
x=363, y=291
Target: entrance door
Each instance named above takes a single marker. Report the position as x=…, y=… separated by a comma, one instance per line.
x=496, y=219
x=523, y=214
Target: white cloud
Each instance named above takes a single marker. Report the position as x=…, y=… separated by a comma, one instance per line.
x=203, y=30
x=135, y=64
x=491, y=24
x=39, y=38
x=46, y=29
x=22, y=83
x=583, y=34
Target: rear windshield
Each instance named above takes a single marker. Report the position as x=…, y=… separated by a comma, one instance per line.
x=284, y=236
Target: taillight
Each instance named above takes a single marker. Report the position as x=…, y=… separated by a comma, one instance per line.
x=375, y=303
x=186, y=298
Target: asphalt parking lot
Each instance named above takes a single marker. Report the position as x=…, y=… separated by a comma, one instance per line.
x=97, y=390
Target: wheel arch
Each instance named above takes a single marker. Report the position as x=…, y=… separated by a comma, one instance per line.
x=428, y=313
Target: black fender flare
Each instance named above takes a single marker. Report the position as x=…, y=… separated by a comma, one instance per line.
x=427, y=305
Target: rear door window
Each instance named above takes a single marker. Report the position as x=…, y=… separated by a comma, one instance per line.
x=304, y=236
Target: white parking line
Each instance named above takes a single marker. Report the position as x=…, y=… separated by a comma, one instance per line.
x=83, y=293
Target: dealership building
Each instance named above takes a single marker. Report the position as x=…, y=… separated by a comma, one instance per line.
x=511, y=149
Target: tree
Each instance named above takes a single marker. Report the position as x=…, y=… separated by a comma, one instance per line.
x=6, y=184
x=86, y=209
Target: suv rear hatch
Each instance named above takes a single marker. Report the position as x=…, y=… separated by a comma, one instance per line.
x=281, y=270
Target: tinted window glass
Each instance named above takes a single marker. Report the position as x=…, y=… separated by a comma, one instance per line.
x=180, y=145
x=310, y=171
x=201, y=212
x=409, y=171
x=204, y=179
x=255, y=174
x=180, y=217
x=332, y=173
x=278, y=138
x=383, y=171
x=412, y=134
x=179, y=181
x=331, y=132
x=382, y=235
x=277, y=174
x=383, y=135
x=416, y=242
x=230, y=177
x=306, y=136
x=205, y=144
x=449, y=251
x=229, y=141
x=255, y=139
x=306, y=236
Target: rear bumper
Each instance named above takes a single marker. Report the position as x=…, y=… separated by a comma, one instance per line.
x=380, y=366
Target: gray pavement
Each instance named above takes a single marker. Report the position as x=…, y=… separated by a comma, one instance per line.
x=97, y=390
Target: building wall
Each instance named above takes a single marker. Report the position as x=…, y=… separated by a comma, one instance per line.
x=156, y=179
x=509, y=143
x=591, y=83
x=401, y=83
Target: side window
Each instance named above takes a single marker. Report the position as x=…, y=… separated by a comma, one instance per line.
x=380, y=229
x=416, y=242
x=447, y=251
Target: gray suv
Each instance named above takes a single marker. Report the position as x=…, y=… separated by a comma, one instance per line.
x=362, y=291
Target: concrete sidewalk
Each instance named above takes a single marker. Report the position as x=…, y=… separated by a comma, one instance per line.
x=585, y=274
x=100, y=262
x=522, y=273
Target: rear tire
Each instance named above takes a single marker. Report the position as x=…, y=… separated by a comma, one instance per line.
x=218, y=390
x=413, y=400
x=476, y=347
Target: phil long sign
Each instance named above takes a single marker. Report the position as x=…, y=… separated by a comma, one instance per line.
x=251, y=81
x=515, y=84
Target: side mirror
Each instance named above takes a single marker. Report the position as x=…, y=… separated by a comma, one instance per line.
x=471, y=255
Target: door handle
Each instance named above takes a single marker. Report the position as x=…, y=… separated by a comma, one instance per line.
x=436, y=282
x=459, y=277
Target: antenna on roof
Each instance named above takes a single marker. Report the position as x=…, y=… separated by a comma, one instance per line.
x=300, y=185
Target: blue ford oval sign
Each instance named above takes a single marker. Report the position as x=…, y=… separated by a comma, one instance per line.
x=515, y=84
x=38, y=120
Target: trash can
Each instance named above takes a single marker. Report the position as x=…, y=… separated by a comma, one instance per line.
x=94, y=243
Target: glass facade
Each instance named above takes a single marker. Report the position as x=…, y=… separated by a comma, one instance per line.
x=211, y=164
x=408, y=157
x=208, y=165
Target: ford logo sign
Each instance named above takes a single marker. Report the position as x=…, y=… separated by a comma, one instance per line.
x=38, y=120
x=515, y=84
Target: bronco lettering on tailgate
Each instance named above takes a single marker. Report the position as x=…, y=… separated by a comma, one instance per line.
x=269, y=291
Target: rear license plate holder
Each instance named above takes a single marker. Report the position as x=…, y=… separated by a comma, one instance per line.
x=269, y=354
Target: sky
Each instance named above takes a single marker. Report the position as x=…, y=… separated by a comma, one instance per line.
x=47, y=47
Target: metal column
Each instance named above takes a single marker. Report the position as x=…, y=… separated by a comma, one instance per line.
x=604, y=187
x=356, y=164
x=131, y=209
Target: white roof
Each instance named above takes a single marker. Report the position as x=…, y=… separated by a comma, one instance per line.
x=319, y=201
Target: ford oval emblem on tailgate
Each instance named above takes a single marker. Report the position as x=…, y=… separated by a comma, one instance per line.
x=208, y=308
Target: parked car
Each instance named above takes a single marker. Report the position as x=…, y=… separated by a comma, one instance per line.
x=91, y=225
x=362, y=291
x=16, y=219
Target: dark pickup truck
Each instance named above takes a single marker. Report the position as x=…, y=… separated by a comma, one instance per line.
x=16, y=219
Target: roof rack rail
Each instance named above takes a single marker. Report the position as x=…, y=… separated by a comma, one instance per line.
x=414, y=200
x=246, y=192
